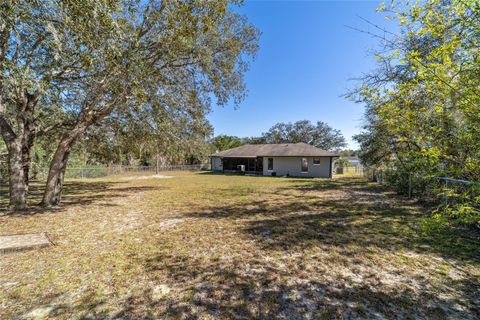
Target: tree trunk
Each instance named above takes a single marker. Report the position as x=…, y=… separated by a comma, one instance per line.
x=56, y=173
x=28, y=134
x=19, y=145
x=27, y=144
x=17, y=184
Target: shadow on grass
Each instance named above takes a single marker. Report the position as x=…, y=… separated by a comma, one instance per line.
x=359, y=183
x=75, y=193
x=221, y=290
x=364, y=226
x=256, y=291
x=365, y=216
x=360, y=221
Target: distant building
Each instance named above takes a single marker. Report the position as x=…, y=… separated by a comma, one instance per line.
x=354, y=161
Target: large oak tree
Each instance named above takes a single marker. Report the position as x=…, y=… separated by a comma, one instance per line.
x=44, y=48
x=87, y=60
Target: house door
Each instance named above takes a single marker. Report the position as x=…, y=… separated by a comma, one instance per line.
x=259, y=164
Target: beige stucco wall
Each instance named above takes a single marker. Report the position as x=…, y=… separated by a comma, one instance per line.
x=293, y=167
x=288, y=165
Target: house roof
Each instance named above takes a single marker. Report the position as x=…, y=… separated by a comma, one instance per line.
x=279, y=150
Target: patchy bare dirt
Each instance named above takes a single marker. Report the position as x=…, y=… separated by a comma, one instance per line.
x=154, y=176
x=211, y=246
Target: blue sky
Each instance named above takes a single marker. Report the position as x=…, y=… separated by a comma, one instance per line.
x=307, y=56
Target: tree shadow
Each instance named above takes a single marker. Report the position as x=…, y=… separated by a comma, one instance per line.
x=224, y=290
x=352, y=229
x=236, y=291
x=76, y=193
x=367, y=227
x=255, y=288
x=366, y=219
x=342, y=183
x=370, y=217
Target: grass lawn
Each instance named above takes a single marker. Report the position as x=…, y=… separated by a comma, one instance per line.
x=234, y=247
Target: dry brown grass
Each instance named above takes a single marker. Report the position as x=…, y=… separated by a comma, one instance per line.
x=235, y=247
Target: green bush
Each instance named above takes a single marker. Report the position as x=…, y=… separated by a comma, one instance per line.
x=460, y=205
x=454, y=202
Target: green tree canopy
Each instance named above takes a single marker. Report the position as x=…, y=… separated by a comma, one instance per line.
x=423, y=101
x=224, y=142
x=89, y=60
x=45, y=51
x=319, y=134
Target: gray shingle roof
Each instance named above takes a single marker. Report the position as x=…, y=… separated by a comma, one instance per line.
x=279, y=150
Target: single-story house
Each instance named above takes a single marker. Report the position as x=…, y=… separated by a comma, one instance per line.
x=285, y=159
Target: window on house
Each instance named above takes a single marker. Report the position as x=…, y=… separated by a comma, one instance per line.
x=316, y=160
x=304, y=165
x=270, y=163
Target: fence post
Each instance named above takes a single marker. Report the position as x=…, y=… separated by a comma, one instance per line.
x=446, y=192
x=409, y=185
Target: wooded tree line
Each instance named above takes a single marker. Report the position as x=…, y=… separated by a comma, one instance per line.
x=423, y=101
x=89, y=70
x=319, y=134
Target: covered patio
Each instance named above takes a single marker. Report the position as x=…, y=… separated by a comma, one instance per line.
x=253, y=165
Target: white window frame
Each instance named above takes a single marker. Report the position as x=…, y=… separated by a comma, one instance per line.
x=268, y=164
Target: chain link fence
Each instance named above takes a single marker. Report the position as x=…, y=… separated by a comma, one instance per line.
x=38, y=175
x=348, y=170
x=85, y=172
x=450, y=199
x=442, y=190
x=456, y=192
